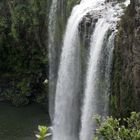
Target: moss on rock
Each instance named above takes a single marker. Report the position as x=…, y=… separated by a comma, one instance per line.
x=123, y=99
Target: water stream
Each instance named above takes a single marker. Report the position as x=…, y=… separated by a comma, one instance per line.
x=52, y=57
x=73, y=120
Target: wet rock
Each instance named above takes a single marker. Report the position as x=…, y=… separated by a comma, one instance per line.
x=126, y=65
x=87, y=26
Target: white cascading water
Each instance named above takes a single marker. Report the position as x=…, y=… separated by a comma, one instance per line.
x=67, y=101
x=52, y=56
x=92, y=101
x=98, y=73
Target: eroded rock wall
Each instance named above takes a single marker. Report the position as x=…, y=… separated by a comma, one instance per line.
x=126, y=64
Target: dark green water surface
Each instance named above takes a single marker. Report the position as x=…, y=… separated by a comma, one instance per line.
x=20, y=123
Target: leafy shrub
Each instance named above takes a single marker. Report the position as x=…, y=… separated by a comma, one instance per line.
x=118, y=129
x=43, y=133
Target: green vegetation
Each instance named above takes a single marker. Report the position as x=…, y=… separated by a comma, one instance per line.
x=119, y=129
x=43, y=133
x=23, y=54
x=23, y=48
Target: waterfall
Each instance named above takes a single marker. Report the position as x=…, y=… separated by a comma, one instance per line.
x=98, y=78
x=67, y=102
x=98, y=73
x=93, y=100
x=67, y=123
x=52, y=57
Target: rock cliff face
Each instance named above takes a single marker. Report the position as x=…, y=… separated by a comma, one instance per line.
x=126, y=69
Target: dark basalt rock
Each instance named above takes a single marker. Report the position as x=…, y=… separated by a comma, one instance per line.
x=87, y=26
x=126, y=65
